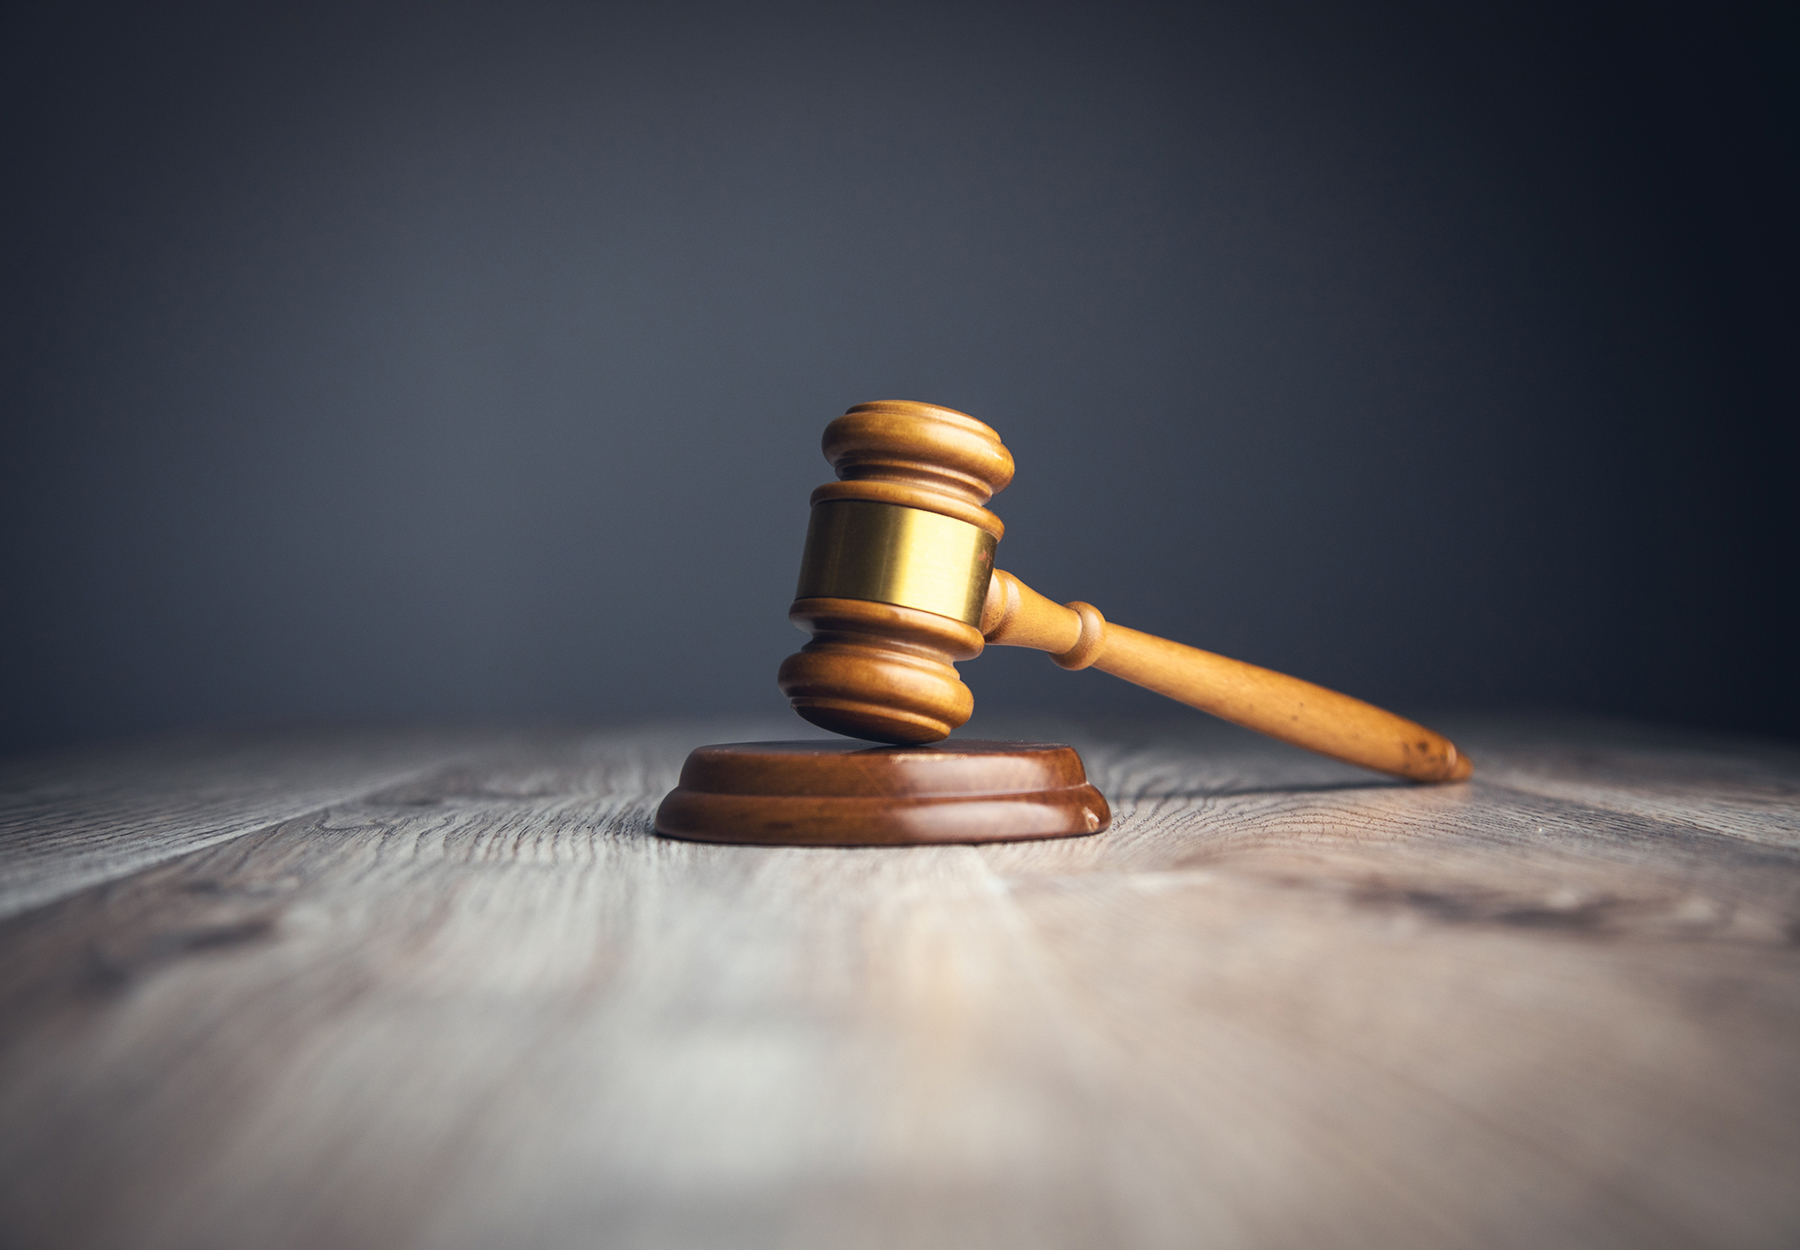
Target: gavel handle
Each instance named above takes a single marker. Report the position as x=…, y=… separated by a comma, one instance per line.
x=1273, y=703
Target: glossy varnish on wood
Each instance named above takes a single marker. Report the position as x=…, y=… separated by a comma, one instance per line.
x=1294, y=711
x=878, y=669
x=840, y=793
x=881, y=668
x=474, y=1002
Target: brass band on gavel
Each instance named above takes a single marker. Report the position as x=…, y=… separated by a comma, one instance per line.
x=859, y=549
x=898, y=582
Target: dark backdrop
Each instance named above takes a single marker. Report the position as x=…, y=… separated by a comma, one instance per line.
x=377, y=361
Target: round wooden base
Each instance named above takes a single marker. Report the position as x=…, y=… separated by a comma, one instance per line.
x=845, y=793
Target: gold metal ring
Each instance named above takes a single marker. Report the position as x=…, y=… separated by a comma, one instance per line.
x=859, y=549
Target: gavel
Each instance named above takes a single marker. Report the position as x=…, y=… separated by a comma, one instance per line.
x=898, y=582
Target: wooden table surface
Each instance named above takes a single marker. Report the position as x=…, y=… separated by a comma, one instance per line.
x=445, y=989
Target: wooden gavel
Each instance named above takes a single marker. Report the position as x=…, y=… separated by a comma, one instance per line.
x=898, y=581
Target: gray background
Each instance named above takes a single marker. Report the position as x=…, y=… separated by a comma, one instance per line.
x=392, y=362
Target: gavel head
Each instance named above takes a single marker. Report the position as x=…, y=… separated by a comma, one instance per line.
x=899, y=553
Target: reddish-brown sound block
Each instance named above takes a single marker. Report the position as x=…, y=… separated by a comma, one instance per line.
x=825, y=793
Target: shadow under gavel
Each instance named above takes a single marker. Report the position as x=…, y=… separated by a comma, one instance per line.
x=898, y=582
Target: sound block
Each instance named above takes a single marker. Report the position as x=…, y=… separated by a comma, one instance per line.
x=845, y=793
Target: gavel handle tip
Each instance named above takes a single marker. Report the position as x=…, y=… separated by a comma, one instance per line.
x=1283, y=707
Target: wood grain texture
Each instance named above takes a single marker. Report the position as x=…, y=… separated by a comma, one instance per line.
x=1277, y=1004
x=898, y=581
x=880, y=663
x=1291, y=710
x=847, y=793
x=76, y=818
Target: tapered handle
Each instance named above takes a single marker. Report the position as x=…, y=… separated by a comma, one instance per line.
x=1273, y=703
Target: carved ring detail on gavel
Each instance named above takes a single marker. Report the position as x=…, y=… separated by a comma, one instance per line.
x=898, y=583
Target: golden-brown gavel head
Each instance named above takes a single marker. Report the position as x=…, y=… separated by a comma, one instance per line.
x=899, y=553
